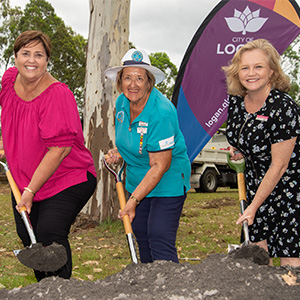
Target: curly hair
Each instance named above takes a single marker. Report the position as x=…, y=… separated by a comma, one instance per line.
x=279, y=80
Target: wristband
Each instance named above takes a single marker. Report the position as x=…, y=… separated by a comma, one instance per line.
x=135, y=200
x=29, y=190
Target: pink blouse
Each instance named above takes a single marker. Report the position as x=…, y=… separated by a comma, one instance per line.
x=30, y=127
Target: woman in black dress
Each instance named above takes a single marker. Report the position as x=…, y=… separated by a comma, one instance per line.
x=264, y=125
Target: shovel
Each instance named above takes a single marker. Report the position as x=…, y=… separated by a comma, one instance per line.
x=239, y=167
x=37, y=257
x=122, y=201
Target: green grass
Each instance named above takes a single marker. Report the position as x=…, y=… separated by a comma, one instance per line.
x=207, y=226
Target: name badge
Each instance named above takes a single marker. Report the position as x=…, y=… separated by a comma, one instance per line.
x=262, y=118
x=142, y=130
x=141, y=123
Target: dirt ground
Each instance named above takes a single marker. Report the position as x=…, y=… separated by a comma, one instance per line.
x=218, y=277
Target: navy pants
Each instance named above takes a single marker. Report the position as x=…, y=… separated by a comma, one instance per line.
x=155, y=227
x=52, y=218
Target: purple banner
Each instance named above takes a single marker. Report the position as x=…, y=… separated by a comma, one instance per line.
x=200, y=89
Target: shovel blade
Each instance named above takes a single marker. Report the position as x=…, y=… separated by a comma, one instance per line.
x=232, y=247
x=44, y=259
x=16, y=252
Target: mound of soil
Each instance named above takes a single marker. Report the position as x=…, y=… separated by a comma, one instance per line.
x=218, y=277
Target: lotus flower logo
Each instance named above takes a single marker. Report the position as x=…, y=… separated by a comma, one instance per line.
x=245, y=21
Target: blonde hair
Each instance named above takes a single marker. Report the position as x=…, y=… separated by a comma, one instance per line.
x=279, y=80
x=150, y=76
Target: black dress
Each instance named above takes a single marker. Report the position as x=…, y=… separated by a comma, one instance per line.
x=277, y=220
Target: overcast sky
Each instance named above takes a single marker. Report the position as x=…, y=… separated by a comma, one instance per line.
x=155, y=26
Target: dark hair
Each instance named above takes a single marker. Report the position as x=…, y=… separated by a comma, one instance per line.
x=151, y=80
x=32, y=36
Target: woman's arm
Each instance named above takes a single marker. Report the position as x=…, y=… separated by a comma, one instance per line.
x=43, y=172
x=2, y=154
x=159, y=164
x=281, y=154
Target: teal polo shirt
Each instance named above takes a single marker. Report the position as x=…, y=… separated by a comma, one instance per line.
x=155, y=129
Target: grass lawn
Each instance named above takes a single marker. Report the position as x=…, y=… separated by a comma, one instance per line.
x=207, y=226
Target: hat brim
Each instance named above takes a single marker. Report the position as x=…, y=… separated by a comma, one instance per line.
x=159, y=75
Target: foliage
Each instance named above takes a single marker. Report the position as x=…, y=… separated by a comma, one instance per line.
x=290, y=62
x=162, y=61
x=207, y=226
x=10, y=18
x=68, y=58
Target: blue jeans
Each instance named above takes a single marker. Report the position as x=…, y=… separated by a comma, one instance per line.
x=155, y=227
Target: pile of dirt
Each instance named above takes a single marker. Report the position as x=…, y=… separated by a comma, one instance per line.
x=218, y=277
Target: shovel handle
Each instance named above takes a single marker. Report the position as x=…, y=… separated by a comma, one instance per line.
x=122, y=201
x=14, y=189
x=241, y=186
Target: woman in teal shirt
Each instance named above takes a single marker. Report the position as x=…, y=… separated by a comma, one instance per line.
x=158, y=170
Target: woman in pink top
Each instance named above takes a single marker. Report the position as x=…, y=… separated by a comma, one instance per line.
x=44, y=146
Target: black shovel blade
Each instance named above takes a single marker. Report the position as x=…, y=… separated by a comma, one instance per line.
x=44, y=259
x=251, y=252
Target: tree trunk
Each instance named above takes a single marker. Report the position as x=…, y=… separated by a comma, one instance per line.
x=107, y=43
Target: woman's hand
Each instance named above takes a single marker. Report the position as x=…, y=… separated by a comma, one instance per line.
x=248, y=215
x=235, y=154
x=129, y=210
x=113, y=156
x=26, y=200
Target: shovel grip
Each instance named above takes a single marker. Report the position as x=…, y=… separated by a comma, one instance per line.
x=15, y=189
x=241, y=186
x=122, y=201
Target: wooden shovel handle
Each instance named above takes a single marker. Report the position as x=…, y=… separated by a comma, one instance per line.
x=122, y=201
x=14, y=189
x=241, y=186
x=13, y=186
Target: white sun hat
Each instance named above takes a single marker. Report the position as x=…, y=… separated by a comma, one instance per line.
x=135, y=58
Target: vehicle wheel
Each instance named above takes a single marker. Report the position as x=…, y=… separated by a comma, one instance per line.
x=208, y=181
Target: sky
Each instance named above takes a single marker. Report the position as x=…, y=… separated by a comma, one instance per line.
x=155, y=26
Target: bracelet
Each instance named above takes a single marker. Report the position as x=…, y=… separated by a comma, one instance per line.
x=135, y=200
x=29, y=190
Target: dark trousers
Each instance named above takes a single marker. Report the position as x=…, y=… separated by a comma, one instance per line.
x=155, y=227
x=52, y=218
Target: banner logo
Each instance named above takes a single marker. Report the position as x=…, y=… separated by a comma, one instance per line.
x=245, y=21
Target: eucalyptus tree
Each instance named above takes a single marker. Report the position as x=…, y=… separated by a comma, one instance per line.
x=107, y=43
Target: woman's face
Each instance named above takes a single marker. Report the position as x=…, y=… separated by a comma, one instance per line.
x=31, y=61
x=254, y=71
x=135, y=84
